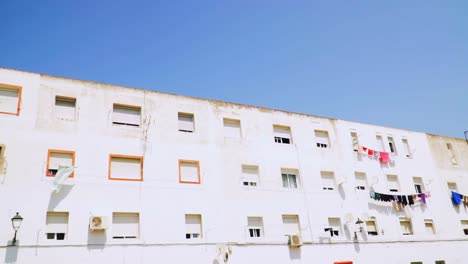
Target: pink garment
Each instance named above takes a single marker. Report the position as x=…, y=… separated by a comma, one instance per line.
x=384, y=157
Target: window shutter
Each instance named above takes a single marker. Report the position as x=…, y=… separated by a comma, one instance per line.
x=57, y=222
x=393, y=182
x=189, y=172
x=125, y=224
x=328, y=180
x=232, y=129
x=283, y=132
x=193, y=224
x=361, y=179
x=65, y=108
x=9, y=100
x=126, y=115
x=255, y=222
x=291, y=224
x=322, y=137
x=371, y=227
x=186, y=122
x=250, y=174
x=60, y=159
x=126, y=168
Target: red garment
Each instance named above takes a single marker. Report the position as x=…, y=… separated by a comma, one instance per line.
x=364, y=148
x=370, y=152
x=384, y=157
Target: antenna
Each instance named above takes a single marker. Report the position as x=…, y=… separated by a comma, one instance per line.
x=466, y=136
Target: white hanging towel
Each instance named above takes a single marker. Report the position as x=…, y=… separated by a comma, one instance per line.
x=62, y=174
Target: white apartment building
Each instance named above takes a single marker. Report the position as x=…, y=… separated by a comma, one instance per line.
x=163, y=178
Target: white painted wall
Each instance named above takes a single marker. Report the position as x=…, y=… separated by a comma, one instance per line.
x=220, y=198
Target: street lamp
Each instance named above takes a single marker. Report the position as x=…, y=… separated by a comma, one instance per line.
x=359, y=222
x=16, y=222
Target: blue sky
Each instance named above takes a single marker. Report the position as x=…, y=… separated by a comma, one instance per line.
x=394, y=63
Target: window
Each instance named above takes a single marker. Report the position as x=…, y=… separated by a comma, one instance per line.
x=249, y=175
x=186, y=123
x=355, y=140
x=452, y=186
x=393, y=184
x=193, y=226
x=232, y=128
x=391, y=145
x=255, y=226
x=189, y=171
x=406, y=147
x=289, y=178
x=464, y=224
x=322, y=139
x=10, y=99
x=291, y=225
x=451, y=152
x=372, y=227
x=429, y=224
x=57, y=225
x=125, y=225
x=126, y=115
x=418, y=185
x=65, y=108
x=416, y=262
x=360, y=180
x=57, y=159
x=440, y=262
x=126, y=168
x=335, y=226
x=328, y=180
x=406, y=227
x=282, y=134
x=380, y=141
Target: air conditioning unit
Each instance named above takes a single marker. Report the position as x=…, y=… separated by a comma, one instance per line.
x=295, y=241
x=98, y=223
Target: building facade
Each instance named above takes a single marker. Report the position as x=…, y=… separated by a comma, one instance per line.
x=162, y=178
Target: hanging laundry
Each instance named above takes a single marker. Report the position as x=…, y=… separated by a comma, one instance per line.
x=456, y=198
x=465, y=201
x=423, y=197
x=410, y=200
x=376, y=154
x=370, y=152
x=384, y=157
x=396, y=205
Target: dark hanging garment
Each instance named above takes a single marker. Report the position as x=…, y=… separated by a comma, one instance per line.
x=410, y=200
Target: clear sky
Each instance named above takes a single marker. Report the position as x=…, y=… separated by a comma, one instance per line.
x=394, y=63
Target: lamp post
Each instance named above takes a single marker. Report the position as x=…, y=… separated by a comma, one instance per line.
x=16, y=222
x=358, y=222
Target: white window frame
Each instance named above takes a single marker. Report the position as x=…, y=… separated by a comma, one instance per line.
x=451, y=153
x=232, y=128
x=406, y=147
x=250, y=176
x=65, y=107
x=322, y=139
x=464, y=224
x=255, y=227
x=406, y=225
x=57, y=225
x=126, y=115
x=186, y=122
x=292, y=178
x=117, y=225
x=328, y=180
x=392, y=146
x=393, y=183
x=282, y=134
x=360, y=184
x=291, y=225
x=371, y=226
x=336, y=226
x=429, y=224
x=419, y=184
x=193, y=226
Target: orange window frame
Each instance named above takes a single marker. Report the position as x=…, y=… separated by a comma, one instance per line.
x=50, y=151
x=20, y=92
x=198, y=171
x=109, y=175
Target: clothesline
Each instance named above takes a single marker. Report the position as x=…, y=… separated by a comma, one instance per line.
x=400, y=200
x=383, y=156
x=458, y=197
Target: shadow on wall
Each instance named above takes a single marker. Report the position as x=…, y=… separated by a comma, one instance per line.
x=96, y=240
x=295, y=253
x=11, y=253
x=57, y=197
